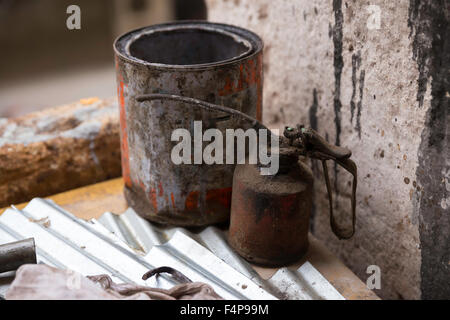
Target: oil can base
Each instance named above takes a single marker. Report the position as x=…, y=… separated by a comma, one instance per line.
x=270, y=262
x=270, y=214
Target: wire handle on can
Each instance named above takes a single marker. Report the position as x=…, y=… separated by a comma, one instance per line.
x=202, y=105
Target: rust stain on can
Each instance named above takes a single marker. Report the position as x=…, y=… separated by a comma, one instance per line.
x=249, y=74
x=153, y=200
x=220, y=196
x=191, y=203
x=123, y=131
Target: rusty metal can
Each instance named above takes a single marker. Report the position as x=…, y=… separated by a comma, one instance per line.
x=216, y=63
x=270, y=214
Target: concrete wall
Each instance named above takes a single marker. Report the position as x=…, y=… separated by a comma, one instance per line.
x=383, y=92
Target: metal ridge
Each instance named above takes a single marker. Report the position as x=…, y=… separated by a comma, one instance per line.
x=305, y=283
x=90, y=249
x=126, y=246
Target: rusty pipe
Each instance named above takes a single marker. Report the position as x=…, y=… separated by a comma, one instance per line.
x=15, y=254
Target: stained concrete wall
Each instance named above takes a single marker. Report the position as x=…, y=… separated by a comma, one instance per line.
x=383, y=92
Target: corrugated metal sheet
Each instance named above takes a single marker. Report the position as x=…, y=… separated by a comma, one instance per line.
x=126, y=246
x=305, y=283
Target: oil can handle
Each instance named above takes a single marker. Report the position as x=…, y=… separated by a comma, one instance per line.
x=350, y=166
x=316, y=147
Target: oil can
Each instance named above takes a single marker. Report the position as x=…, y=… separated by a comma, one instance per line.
x=270, y=215
x=213, y=62
x=270, y=212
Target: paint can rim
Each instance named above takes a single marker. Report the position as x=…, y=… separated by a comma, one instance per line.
x=249, y=39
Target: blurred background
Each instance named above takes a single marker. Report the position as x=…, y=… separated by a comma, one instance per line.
x=44, y=64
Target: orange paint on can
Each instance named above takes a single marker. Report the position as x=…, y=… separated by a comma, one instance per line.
x=191, y=202
x=173, y=199
x=249, y=74
x=161, y=190
x=124, y=136
x=153, y=200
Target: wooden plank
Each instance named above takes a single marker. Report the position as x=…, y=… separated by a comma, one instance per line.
x=58, y=149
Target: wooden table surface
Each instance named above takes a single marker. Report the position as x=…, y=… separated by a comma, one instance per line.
x=92, y=201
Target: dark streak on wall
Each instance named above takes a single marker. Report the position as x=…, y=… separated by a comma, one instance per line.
x=313, y=111
x=429, y=23
x=338, y=64
x=421, y=45
x=313, y=122
x=356, y=64
x=362, y=77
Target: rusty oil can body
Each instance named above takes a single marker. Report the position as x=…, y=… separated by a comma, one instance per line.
x=213, y=62
x=270, y=214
